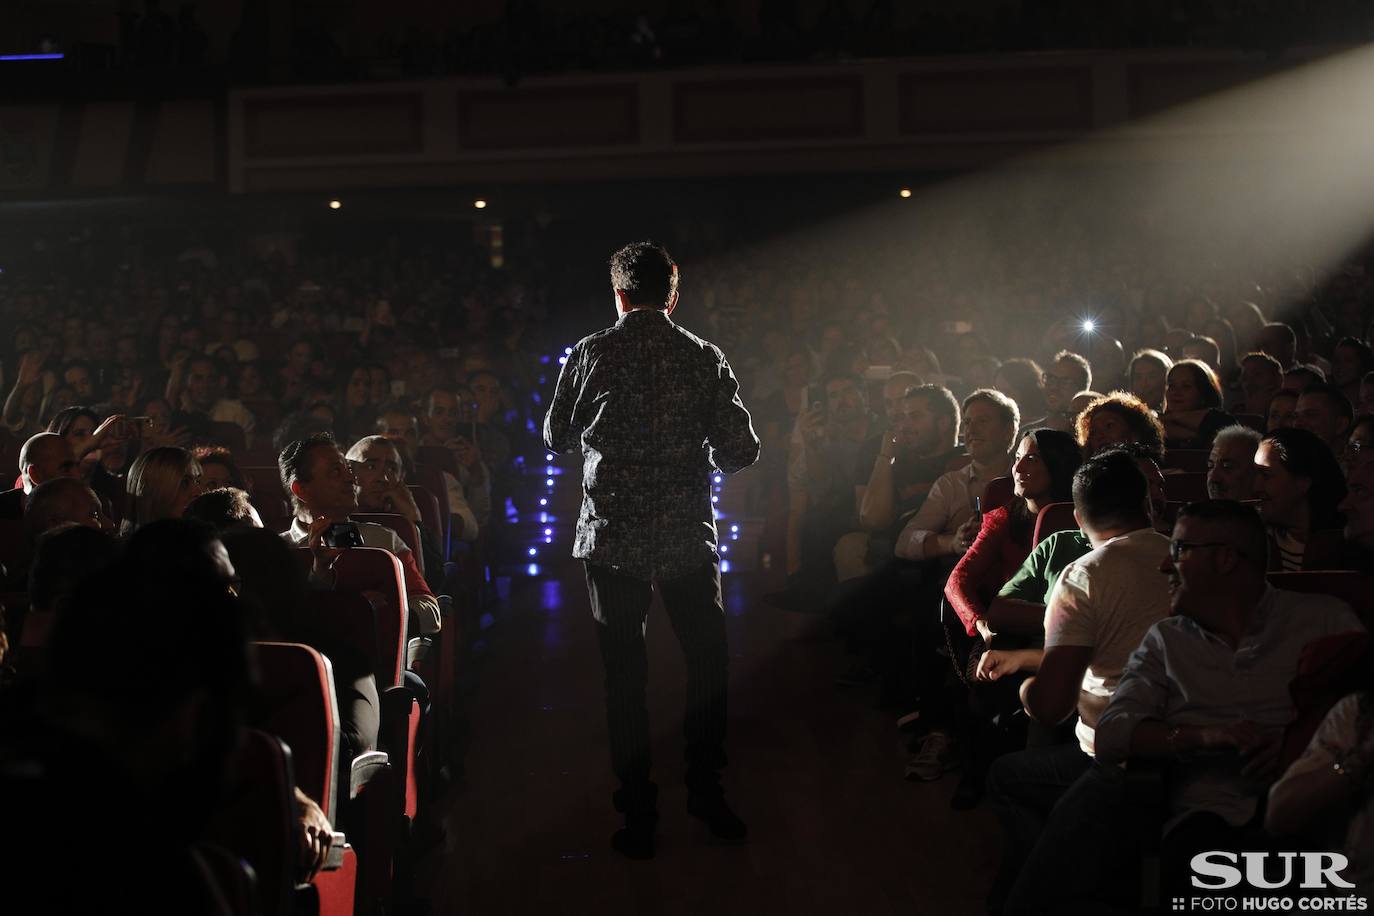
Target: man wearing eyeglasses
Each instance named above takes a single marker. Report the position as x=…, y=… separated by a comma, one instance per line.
x=1208, y=688
x=1066, y=376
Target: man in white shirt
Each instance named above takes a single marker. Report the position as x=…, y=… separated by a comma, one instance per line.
x=943, y=526
x=942, y=530
x=1102, y=606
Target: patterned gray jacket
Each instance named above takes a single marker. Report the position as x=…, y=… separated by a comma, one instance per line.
x=656, y=411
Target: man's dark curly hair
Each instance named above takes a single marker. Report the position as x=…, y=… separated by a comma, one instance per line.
x=646, y=272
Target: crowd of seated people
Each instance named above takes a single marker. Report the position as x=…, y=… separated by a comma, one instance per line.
x=1220, y=454
x=200, y=468
x=911, y=462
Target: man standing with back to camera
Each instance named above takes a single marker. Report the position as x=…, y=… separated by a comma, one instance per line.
x=656, y=411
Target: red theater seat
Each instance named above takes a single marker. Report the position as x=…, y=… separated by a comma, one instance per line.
x=1354, y=588
x=1052, y=518
x=998, y=493
x=403, y=527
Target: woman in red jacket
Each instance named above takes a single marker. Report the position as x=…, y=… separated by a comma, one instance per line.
x=1042, y=473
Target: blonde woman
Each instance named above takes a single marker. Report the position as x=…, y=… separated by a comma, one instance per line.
x=161, y=483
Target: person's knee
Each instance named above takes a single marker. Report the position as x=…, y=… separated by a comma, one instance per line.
x=849, y=556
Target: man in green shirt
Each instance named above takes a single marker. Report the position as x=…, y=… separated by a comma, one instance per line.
x=1020, y=606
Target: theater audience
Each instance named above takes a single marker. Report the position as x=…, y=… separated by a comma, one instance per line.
x=1067, y=375
x=1179, y=698
x=1192, y=412
x=1325, y=411
x=1148, y=373
x=62, y=501
x=223, y=508
x=1279, y=341
x=1283, y=411
x=941, y=527
x=1322, y=799
x=151, y=697
x=1359, y=448
x=323, y=492
x=1022, y=380
x=1231, y=463
x=219, y=469
x=380, y=475
x=1261, y=377
x=44, y=457
x=1358, y=507
x=831, y=439
x=1042, y=472
x=274, y=590
x=1351, y=360
x=1298, y=484
x=916, y=450
x=1301, y=377
x=1104, y=603
x=162, y=482
x=1118, y=418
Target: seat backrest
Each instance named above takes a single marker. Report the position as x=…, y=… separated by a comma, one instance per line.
x=14, y=548
x=1354, y=588
x=403, y=527
x=997, y=493
x=434, y=521
x=377, y=574
x=256, y=819
x=1328, y=669
x=269, y=499
x=437, y=456
x=1052, y=518
x=1186, y=459
x=1185, y=486
x=299, y=708
x=227, y=435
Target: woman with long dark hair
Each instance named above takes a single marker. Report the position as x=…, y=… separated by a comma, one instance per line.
x=1042, y=473
x=1299, y=485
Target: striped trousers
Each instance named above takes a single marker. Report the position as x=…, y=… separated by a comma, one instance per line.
x=620, y=604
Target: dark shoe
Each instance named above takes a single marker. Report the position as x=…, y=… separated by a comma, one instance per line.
x=723, y=823
x=636, y=839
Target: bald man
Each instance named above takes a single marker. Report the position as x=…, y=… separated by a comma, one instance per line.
x=44, y=457
x=63, y=501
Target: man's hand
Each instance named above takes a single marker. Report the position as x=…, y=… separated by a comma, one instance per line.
x=812, y=424
x=178, y=437
x=322, y=557
x=888, y=450
x=468, y=454
x=1258, y=746
x=315, y=836
x=997, y=663
x=394, y=497
x=966, y=535
x=110, y=432
x=30, y=368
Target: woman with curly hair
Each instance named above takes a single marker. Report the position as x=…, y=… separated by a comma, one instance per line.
x=1119, y=418
x=1192, y=406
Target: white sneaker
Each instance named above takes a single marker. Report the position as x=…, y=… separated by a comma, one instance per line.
x=936, y=757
